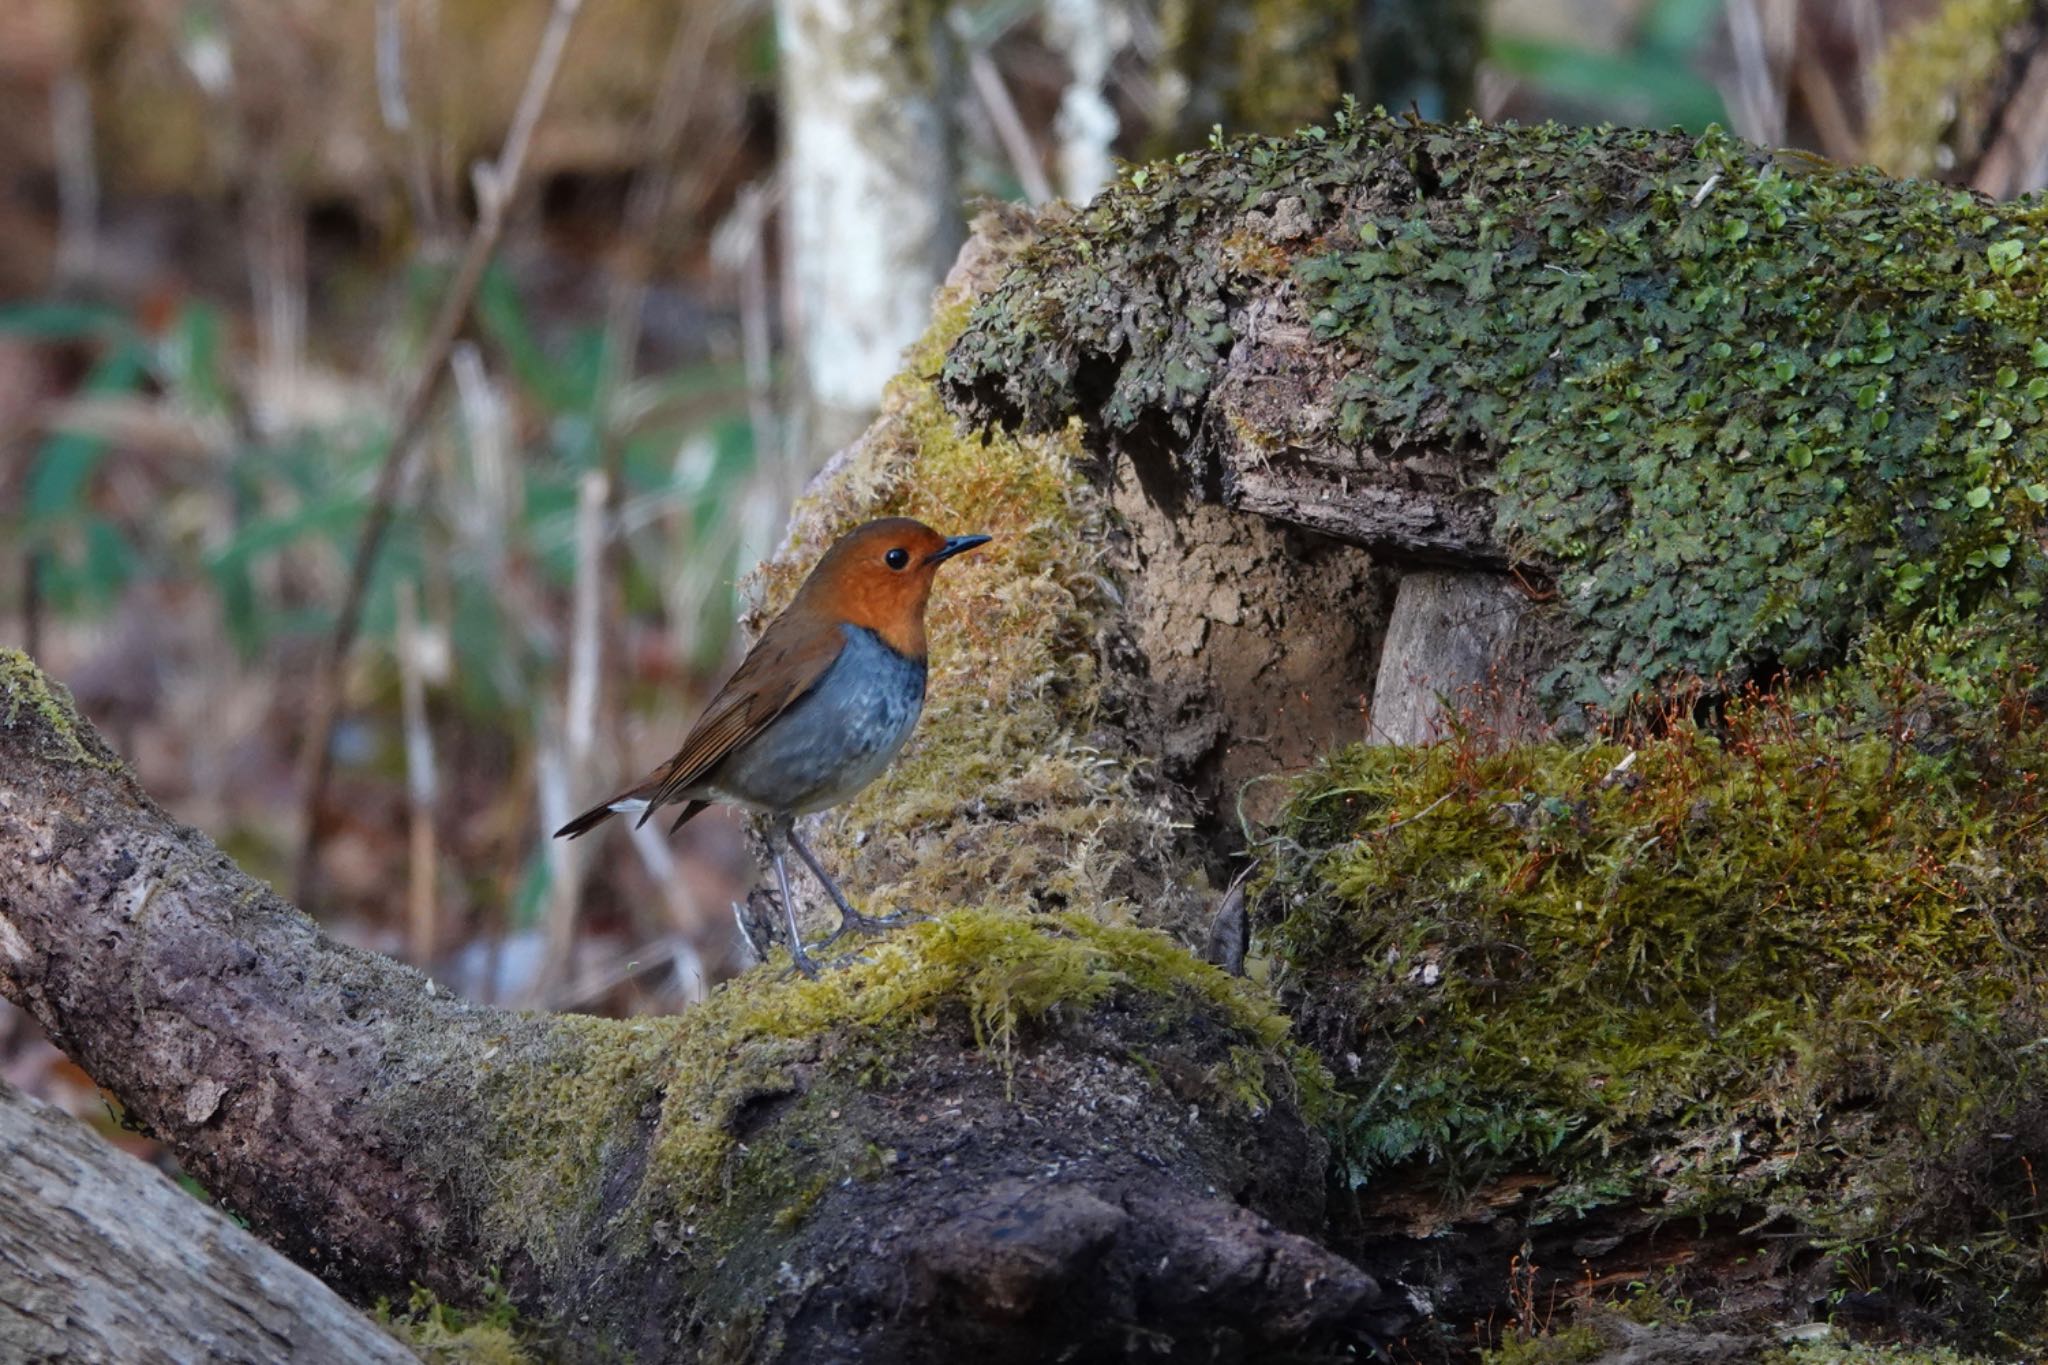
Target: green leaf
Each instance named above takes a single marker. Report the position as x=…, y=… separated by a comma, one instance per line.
x=64, y=466
x=1665, y=88
x=53, y=321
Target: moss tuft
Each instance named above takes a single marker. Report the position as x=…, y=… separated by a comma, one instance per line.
x=1002, y=799
x=1738, y=403
x=442, y=1335
x=1785, y=967
x=28, y=696
x=698, y=1090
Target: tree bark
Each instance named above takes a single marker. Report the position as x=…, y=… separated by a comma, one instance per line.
x=1106, y=1180
x=104, y=1260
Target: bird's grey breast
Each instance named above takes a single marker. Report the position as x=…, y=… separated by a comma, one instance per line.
x=837, y=737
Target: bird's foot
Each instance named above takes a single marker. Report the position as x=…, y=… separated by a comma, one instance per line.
x=800, y=961
x=853, y=922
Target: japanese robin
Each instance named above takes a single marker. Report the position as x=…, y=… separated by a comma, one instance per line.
x=818, y=708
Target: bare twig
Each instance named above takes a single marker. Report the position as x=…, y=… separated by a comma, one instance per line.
x=1760, y=34
x=1088, y=33
x=78, y=180
x=579, y=729
x=647, y=204
x=396, y=111
x=671, y=952
x=422, y=912
x=585, y=658
x=1009, y=125
x=685, y=915
x=2011, y=157
x=1824, y=103
x=496, y=186
x=485, y=517
x=739, y=249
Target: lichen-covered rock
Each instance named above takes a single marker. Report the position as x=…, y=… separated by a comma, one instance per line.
x=1735, y=404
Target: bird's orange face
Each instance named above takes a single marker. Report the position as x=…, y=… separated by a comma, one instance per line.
x=880, y=576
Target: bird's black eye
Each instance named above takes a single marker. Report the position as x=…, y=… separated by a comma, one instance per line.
x=897, y=558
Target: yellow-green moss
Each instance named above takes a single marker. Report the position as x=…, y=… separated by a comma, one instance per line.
x=1931, y=86
x=1563, y=1346
x=691, y=1079
x=1835, y=1351
x=441, y=1335
x=24, y=687
x=1000, y=801
x=1786, y=965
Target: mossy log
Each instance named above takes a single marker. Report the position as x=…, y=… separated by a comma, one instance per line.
x=1724, y=406
x=999, y=1136
x=1035, y=1123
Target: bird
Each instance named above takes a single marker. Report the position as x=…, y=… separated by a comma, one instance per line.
x=817, y=710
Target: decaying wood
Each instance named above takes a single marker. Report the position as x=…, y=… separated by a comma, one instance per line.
x=1450, y=654
x=1266, y=439
x=104, y=1260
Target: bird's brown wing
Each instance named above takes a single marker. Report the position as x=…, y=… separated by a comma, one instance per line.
x=785, y=664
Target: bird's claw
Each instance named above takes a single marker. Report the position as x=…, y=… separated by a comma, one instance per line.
x=851, y=922
x=801, y=962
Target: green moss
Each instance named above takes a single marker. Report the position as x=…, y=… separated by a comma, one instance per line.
x=1837, y=1352
x=1737, y=403
x=443, y=1335
x=1932, y=85
x=1786, y=968
x=1004, y=798
x=28, y=695
x=1566, y=1346
x=696, y=1087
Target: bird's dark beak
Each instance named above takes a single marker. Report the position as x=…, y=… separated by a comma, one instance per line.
x=954, y=545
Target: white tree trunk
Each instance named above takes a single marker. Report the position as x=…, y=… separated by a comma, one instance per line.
x=1088, y=33
x=873, y=216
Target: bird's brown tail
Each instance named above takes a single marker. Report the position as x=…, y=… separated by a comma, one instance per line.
x=587, y=821
x=603, y=811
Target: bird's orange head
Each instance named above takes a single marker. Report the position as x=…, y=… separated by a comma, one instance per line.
x=880, y=576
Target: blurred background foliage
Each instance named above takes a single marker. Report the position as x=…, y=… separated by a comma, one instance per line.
x=226, y=225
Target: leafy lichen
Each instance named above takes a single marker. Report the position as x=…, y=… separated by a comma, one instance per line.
x=1738, y=403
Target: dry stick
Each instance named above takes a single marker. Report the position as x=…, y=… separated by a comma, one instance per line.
x=396, y=111
x=2012, y=147
x=496, y=186
x=78, y=180
x=579, y=726
x=422, y=914
x=684, y=912
x=647, y=207
x=1009, y=124
x=739, y=248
